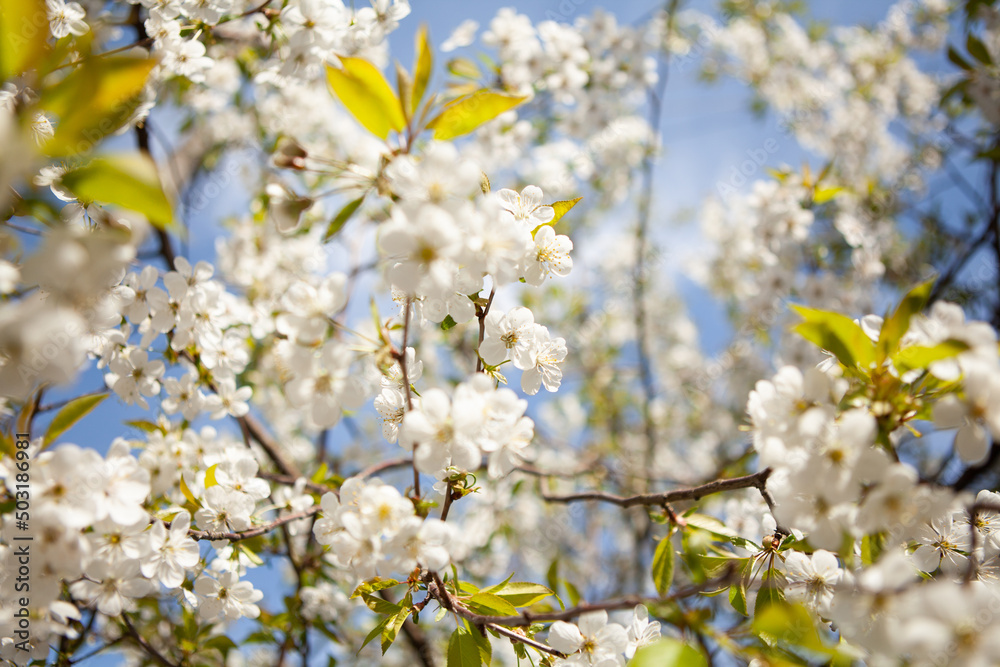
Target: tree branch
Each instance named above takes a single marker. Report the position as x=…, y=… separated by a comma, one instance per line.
x=254, y=532
x=756, y=481
x=145, y=645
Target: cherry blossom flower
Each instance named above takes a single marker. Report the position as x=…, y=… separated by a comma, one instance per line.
x=592, y=641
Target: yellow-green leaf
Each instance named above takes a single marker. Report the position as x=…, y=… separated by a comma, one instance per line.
x=93, y=101
x=210, y=480
x=367, y=95
x=373, y=585
x=468, y=113
x=70, y=414
x=490, y=605
x=922, y=356
x=738, y=597
x=24, y=33
x=464, y=68
x=668, y=652
x=793, y=625
x=462, y=650
x=187, y=493
x=823, y=195
x=422, y=69
x=837, y=334
x=663, y=566
x=342, y=217
x=896, y=326
x=561, y=208
x=376, y=631
x=392, y=628
x=520, y=593
x=127, y=180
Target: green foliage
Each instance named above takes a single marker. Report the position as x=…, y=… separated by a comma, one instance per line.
x=127, y=180
x=792, y=627
x=663, y=566
x=422, y=69
x=837, y=334
x=668, y=652
x=463, y=650
x=342, y=217
x=70, y=414
x=467, y=113
x=896, y=325
x=367, y=95
x=520, y=593
x=24, y=30
x=98, y=97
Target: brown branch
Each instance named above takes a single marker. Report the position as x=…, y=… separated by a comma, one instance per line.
x=254, y=532
x=401, y=358
x=290, y=481
x=756, y=481
x=382, y=466
x=440, y=593
x=145, y=645
x=254, y=429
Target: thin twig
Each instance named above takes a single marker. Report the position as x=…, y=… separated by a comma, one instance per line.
x=481, y=314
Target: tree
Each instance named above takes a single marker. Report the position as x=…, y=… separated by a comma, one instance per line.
x=335, y=434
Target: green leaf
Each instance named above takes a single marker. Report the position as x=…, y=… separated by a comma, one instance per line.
x=70, y=414
x=922, y=356
x=769, y=594
x=24, y=33
x=668, y=652
x=143, y=425
x=392, y=628
x=712, y=525
x=738, y=598
x=422, y=69
x=872, y=547
x=376, y=631
x=127, y=180
x=794, y=626
x=380, y=606
x=663, y=566
x=367, y=95
x=373, y=585
x=715, y=564
x=93, y=101
x=484, y=646
x=896, y=326
x=561, y=208
x=448, y=323
x=464, y=68
x=520, y=593
x=468, y=113
x=343, y=216
x=489, y=604
x=463, y=651
x=978, y=50
x=956, y=58
x=837, y=334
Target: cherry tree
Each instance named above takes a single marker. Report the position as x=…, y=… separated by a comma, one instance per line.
x=435, y=398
